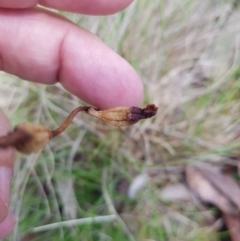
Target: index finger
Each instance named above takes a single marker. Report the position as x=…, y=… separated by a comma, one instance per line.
x=40, y=46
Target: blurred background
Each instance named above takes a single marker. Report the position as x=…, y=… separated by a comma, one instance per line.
x=143, y=182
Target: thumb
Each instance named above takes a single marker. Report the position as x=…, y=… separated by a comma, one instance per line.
x=6, y=165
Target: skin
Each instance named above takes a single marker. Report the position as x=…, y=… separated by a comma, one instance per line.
x=40, y=46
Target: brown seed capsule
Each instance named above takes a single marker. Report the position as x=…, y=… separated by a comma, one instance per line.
x=123, y=116
x=34, y=137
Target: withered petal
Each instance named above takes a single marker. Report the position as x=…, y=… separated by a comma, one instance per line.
x=137, y=113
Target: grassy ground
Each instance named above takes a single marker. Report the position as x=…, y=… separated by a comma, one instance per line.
x=187, y=53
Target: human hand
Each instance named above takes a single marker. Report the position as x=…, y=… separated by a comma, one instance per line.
x=40, y=46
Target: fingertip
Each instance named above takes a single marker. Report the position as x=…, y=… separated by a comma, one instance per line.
x=119, y=90
x=97, y=75
x=125, y=89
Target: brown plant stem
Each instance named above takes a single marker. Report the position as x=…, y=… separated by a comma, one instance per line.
x=29, y=137
x=67, y=121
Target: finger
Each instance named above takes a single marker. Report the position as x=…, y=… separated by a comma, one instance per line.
x=7, y=225
x=39, y=46
x=5, y=180
x=97, y=7
x=6, y=163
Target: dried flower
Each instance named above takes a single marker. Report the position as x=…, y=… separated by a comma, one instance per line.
x=123, y=116
x=29, y=137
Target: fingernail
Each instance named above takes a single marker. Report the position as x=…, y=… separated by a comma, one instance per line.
x=5, y=180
